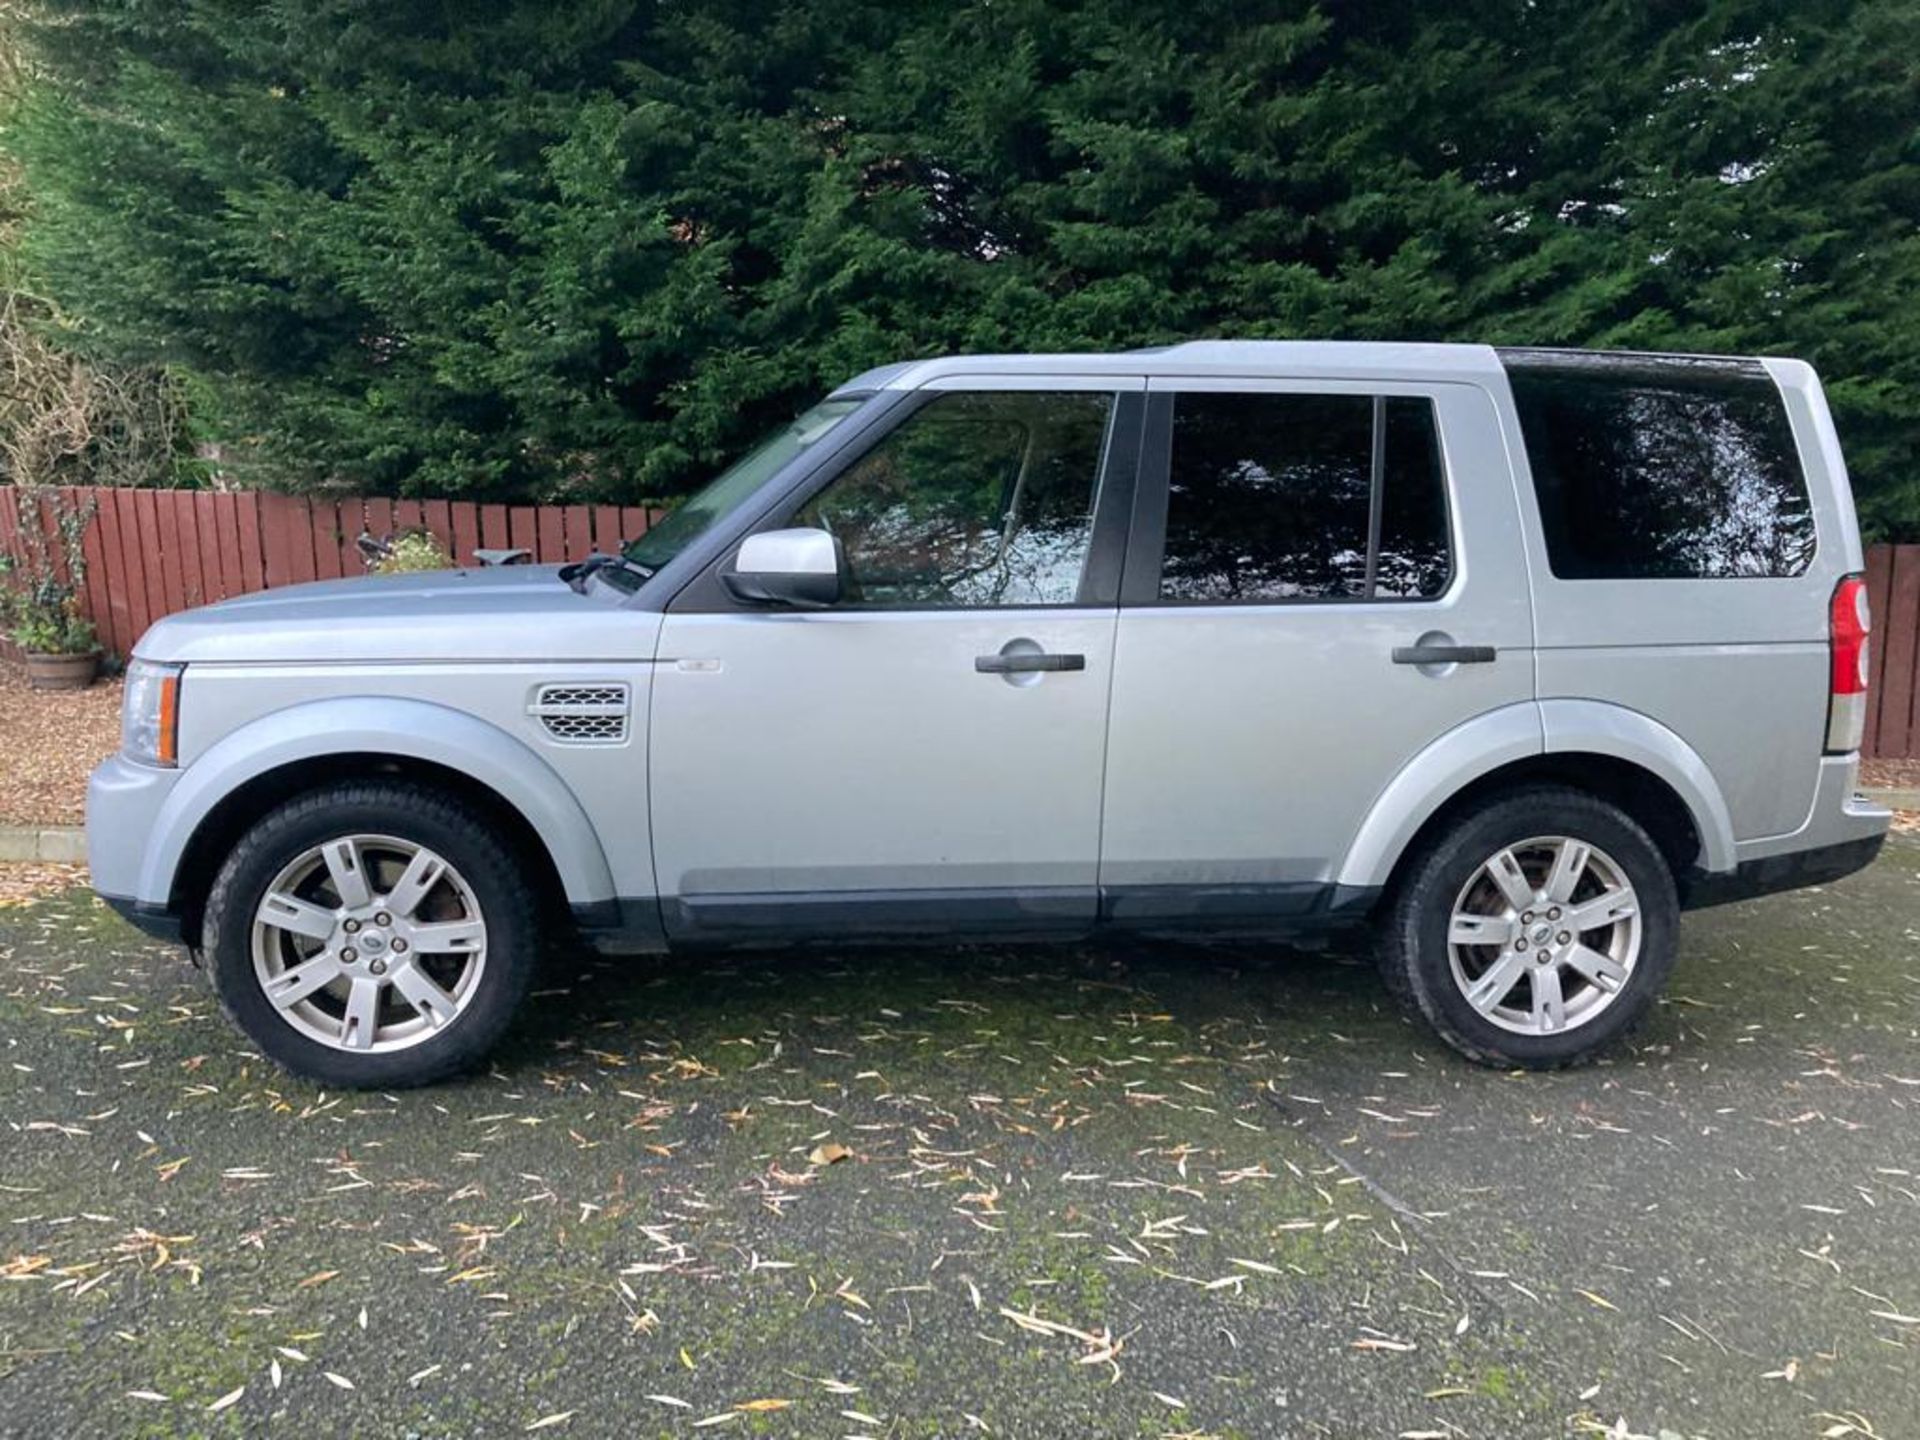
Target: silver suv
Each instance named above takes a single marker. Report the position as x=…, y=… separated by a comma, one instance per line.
x=1514, y=654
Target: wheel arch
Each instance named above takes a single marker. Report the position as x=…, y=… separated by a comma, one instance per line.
x=260, y=765
x=1618, y=754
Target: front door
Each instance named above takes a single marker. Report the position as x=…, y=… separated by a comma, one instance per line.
x=1325, y=580
x=928, y=752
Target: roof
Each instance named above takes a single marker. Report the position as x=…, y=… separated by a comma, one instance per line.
x=1297, y=359
x=1294, y=359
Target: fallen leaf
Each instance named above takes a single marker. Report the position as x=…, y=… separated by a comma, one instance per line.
x=831, y=1153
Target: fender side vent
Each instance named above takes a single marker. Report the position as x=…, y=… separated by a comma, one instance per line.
x=583, y=714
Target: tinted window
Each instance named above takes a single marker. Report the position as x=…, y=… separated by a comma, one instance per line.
x=976, y=499
x=1271, y=498
x=1664, y=468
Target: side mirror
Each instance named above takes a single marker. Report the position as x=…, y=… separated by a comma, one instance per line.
x=786, y=567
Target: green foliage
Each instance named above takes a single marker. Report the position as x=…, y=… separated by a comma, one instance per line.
x=415, y=550
x=41, y=577
x=54, y=632
x=63, y=420
x=588, y=248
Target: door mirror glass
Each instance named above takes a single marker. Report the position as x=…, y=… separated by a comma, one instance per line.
x=786, y=567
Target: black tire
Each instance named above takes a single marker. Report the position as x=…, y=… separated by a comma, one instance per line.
x=407, y=811
x=1412, y=949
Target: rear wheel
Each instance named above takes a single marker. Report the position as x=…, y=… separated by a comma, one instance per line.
x=371, y=935
x=1534, y=929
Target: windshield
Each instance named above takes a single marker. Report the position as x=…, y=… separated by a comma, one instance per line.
x=668, y=537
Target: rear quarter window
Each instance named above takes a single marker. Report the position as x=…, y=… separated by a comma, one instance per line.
x=1662, y=467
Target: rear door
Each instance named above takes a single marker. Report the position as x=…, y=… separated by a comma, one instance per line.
x=1324, y=578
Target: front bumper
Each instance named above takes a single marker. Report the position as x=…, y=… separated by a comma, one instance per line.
x=124, y=801
x=155, y=920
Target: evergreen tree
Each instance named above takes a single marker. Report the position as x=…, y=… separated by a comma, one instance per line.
x=588, y=248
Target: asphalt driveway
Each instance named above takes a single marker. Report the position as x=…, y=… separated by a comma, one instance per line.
x=1157, y=1191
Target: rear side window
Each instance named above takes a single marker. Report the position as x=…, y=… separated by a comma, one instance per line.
x=1663, y=468
x=1304, y=497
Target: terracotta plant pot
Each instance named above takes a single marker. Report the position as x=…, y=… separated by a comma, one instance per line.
x=62, y=672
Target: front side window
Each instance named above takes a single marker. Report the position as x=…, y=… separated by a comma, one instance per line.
x=979, y=498
x=1275, y=497
x=1667, y=468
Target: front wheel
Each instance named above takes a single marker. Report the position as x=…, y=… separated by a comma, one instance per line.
x=371, y=935
x=1533, y=930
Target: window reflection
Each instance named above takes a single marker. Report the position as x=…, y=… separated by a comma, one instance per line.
x=978, y=499
x=1270, y=498
x=1674, y=478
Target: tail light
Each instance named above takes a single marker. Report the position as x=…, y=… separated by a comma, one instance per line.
x=1848, y=624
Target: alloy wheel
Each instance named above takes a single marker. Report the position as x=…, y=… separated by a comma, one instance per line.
x=369, y=943
x=1544, y=935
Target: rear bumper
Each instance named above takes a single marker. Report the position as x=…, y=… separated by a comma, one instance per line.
x=1790, y=870
x=1843, y=833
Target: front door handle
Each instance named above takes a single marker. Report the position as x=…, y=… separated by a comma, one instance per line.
x=1443, y=654
x=1021, y=662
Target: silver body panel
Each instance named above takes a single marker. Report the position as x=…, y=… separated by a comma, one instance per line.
x=1736, y=668
x=774, y=754
x=863, y=752
x=514, y=612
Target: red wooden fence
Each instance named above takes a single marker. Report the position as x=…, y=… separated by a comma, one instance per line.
x=1893, y=695
x=152, y=552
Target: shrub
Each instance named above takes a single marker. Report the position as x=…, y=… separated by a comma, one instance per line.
x=412, y=551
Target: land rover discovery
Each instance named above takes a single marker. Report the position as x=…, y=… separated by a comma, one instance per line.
x=1511, y=655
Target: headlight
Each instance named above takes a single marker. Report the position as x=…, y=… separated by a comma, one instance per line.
x=150, y=713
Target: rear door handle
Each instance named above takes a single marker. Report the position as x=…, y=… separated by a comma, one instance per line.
x=1023, y=663
x=1443, y=654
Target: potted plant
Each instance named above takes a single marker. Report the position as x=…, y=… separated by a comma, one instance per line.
x=62, y=648
x=39, y=592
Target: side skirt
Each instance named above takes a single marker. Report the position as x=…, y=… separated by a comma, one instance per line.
x=850, y=917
